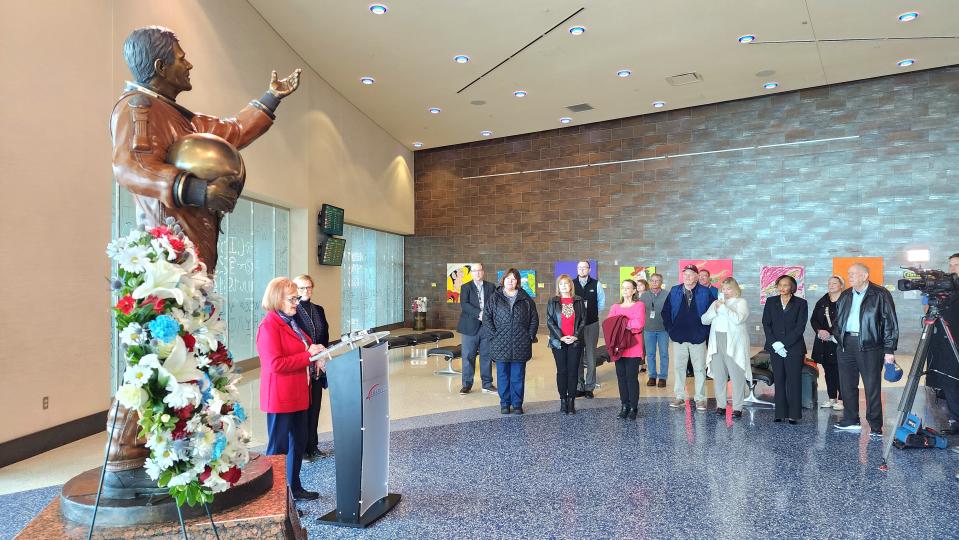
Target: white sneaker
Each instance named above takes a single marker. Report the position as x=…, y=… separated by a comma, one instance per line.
x=828, y=403
x=837, y=406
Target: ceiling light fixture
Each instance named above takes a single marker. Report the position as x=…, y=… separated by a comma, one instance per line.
x=577, y=30
x=486, y=133
x=435, y=110
x=659, y=104
x=771, y=85
x=906, y=62
x=748, y=38
x=623, y=73
x=417, y=144
x=908, y=16
x=565, y=120
x=367, y=80
x=378, y=9
x=461, y=59
x=520, y=93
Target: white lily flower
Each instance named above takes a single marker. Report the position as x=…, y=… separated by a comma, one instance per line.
x=181, y=364
x=162, y=280
x=183, y=478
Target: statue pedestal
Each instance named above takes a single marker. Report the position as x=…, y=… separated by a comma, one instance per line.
x=256, y=507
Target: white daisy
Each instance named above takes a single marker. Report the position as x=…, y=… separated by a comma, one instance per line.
x=133, y=259
x=137, y=375
x=133, y=334
x=153, y=469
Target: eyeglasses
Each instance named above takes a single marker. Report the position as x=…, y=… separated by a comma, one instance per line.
x=293, y=299
x=310, y=288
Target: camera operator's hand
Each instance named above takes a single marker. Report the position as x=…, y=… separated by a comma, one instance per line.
x=889, y=358
x=222, y=193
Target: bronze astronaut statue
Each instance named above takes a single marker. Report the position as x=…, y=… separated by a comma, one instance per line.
x=146, y=122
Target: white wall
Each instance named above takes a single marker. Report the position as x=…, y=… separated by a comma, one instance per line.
x=63, y=70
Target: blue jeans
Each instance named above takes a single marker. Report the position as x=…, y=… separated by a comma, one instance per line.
x=472, y=345
x=287, y=435
x=511, y=377
x=653, y=338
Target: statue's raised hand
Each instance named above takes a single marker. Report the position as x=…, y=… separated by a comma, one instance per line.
x=285, y=86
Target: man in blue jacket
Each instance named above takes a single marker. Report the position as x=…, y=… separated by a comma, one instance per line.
x=682, y=314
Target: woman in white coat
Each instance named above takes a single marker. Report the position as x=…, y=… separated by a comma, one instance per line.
x=727, y=357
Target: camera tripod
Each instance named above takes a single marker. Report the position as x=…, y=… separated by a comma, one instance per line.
x=931, y=321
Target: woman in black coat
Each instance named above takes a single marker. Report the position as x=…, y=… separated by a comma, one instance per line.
x=513, y=321
x=824, y=346
x=312, y=319
x=784, y=321
x=565, y=318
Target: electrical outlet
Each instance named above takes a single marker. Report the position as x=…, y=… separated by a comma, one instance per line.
x=46, y=402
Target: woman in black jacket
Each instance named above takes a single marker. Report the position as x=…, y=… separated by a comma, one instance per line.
x=565, y=318
x=312, y=319
x=513, y=321
x=784, y=321
x=823, y=321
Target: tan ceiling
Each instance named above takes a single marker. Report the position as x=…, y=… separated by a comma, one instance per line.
x=409, y=51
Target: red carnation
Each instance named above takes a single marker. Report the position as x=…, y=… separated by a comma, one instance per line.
x=189, y=341
x=179, y=430
x=177, y=244
x=126, y=304
x=232, y=475
x=220, y=355
x=157, y=303
x=160, y=231
x=186, y=412
x=205, y=474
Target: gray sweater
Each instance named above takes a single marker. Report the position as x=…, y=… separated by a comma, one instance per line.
x=654, y=309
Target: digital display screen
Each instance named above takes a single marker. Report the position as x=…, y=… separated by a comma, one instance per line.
x=331, y=251
x=331, y=220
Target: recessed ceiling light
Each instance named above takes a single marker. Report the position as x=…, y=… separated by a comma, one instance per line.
x=565, y=120
x=748, y=38
x=906, y=62
x=435, y=110
x=577, y=30
x=378, y=9
x=367, y=80
x=486, y=133
x=461, y=59
x=659, y=104
x=520, y=93
x=908, y=16
x=417, y=144
x=770, y=85
x=624, y=73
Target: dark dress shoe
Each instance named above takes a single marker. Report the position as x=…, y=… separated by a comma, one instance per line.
x=651, y=382
x=310, y=457
x=504, y=410
x=518, y=410
x=661, y=383
x=580, y=393
x=564, y=406
x=623, y=411
x=589, y=394
x=737, y=414
x=777, y=420
x=721, y=411
x=793, y=422
x=304, y=495
x=632, y=413
x=571, y=405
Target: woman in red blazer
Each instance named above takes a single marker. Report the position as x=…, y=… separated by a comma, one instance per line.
x=285, y=351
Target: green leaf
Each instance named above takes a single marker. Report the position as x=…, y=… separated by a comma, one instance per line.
x=165, y=478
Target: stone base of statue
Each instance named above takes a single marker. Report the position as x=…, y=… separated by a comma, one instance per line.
x=258, y=506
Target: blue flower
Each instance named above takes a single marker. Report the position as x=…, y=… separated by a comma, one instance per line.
x=218, y=446
x=164, y=328
x=205, y=386
x=238, y=412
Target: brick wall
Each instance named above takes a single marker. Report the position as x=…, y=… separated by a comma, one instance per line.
x=893, y=188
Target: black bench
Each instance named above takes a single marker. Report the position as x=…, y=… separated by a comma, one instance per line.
x=397, y=342
x=450, y=354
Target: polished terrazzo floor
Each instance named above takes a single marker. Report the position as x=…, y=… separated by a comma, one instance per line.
x=466, y=471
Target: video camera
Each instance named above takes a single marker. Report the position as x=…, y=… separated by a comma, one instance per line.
x=940, y=287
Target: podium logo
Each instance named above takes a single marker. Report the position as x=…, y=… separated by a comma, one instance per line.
x=374, y=391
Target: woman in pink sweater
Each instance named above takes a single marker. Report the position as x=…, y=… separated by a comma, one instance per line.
x=627, y=367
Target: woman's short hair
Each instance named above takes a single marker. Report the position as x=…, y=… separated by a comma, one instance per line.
x=734, y=285
x=793, y=285
x=276, y=293
x=515, y=273
x=842, y=282
x=566, y=278
x=304, y=277
x=635, y=292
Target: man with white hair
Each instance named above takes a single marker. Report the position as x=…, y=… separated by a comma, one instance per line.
x=868, y=332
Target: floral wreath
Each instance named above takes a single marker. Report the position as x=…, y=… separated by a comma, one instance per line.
x=179, y=376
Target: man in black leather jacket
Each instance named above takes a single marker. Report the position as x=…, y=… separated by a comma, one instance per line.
x=867, y=331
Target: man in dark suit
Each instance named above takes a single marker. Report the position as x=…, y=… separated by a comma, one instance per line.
x=473, y=297
x=868, y=333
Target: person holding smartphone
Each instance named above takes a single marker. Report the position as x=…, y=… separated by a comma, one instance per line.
x=565, y=318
